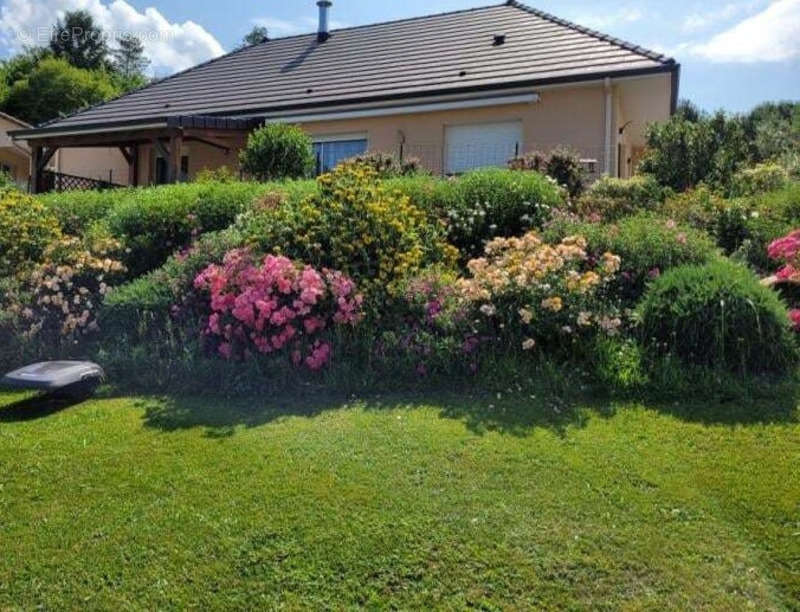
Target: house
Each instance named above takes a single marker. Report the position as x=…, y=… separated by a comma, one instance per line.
x=98, y=165
x=458, y=90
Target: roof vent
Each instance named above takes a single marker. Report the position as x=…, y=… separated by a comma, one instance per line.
x=499, y=40
x=323, y=33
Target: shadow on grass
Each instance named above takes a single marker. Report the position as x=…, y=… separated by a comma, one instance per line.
x=512, y=414
x=39, y=406
x=516, y=414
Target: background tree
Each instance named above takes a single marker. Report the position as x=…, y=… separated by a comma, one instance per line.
x=79, y=41
x=56, y=88
x=257, y=35
x=129, y=62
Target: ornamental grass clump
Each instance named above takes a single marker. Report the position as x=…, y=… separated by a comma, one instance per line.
x=717, y=315
x=543, y=293
x=275, y=306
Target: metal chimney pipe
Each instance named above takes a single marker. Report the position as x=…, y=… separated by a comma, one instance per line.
x=323, y=33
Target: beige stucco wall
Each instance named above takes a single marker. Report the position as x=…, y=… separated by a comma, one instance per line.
x=15, y=156
x=574, y=116
x=102, y=163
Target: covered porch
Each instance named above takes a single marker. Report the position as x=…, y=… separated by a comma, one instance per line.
x=156, y=152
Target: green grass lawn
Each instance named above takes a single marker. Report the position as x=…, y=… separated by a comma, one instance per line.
x=442, y=501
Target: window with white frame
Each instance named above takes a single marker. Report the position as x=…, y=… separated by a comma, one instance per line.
x=330, y=150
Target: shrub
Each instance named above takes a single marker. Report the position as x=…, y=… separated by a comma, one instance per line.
x=561, y=164
x=58, y=301
x=682, y=153
x=355, y=225
x=428, y=330
x=699, y=207
x=223, y=174
x=717, y=315
x=540, y=293
x=7, y=182
x=485, y=204
x=26, y=229
x=277, y=151
x=274, y=306
x=611, y=198
x=155, y=298
x=761, y=178
x=387, y=165
x=154, y=223
x=647, y=244
x=77, y=210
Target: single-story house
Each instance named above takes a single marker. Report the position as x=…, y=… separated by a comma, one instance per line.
x=458, y=90
x=99, y=165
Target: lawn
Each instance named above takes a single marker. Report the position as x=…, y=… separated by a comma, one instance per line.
x=441, y=500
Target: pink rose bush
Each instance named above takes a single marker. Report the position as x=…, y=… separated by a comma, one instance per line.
x=276, y=305
x=786, y=250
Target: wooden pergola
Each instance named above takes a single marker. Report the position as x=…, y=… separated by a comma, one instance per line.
x=166, y=138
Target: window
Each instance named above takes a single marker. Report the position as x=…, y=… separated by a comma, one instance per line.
x=329, y=151
x=480, y=145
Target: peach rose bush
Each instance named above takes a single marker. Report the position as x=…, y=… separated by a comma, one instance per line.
x=275, y=306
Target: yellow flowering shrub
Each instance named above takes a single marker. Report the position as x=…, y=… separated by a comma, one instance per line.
x=542, y=292
x=26, y=229
x=374, y=235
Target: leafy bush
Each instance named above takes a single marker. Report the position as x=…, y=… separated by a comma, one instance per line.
x=561, y=164
x=77, y=210
x=387, y=165
x=7, y=182
x=542, y=293
x=275, y=305
x=154, y=223
x=717, y=315
x=27, y=228
x=611, y=198
x=699, y=208
x=355, y=225
x=156, y=297
x=761, y=178
x=647, y=244
x=682, y=153
x=485, y=204
x=277, y=151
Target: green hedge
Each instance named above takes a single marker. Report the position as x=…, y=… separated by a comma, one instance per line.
x=484, y=204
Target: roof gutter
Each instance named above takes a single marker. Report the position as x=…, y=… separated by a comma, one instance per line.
x=34, y=134
x=406, y=109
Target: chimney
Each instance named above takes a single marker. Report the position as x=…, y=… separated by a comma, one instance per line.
x=323, y=33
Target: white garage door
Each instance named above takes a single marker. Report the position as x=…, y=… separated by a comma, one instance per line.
x=480, y=145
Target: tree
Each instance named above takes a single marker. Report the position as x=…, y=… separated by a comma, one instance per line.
x=688, y=110
x=683, y=153
x=277, y=151
x=79, y=41
x=55, y=88
x=257, y=35
x=129, y=63
x=20, y=66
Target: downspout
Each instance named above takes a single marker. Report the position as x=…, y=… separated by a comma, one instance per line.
x=609, y=120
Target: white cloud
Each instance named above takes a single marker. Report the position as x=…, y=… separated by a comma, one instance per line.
x=169, y=46
x=303, y=25
x=772, y=35
x=703, y=20
x=601, y=21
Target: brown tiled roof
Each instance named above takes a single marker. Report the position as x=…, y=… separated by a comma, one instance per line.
x=437, y=54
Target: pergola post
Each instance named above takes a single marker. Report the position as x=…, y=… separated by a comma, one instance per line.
x=175, y=154
x=131, y=155
x=40, y=157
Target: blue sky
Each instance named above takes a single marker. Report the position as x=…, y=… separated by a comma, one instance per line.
x=734, y=54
